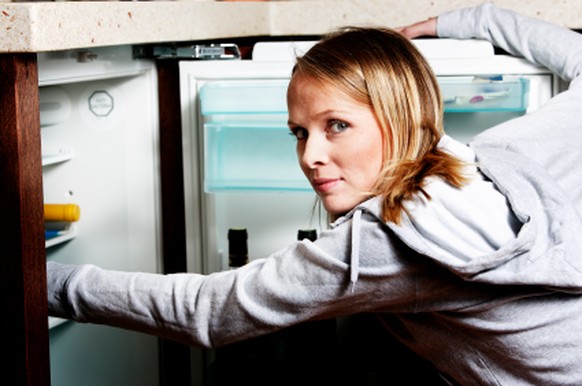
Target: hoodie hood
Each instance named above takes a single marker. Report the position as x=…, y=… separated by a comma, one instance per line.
x=544, y=251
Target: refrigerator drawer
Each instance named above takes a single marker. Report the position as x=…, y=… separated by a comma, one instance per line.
x=240, y=97
x=251, y=156
x=492, y=94
x=460, y=94
x=247, y=144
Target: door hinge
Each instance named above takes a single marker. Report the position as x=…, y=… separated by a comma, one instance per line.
x=222, y=51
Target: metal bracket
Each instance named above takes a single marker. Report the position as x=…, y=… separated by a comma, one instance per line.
x=223, y=51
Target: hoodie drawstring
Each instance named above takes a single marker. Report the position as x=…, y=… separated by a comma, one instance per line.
x=355, y=255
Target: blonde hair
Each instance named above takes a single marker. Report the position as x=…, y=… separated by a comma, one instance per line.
x=382, y=69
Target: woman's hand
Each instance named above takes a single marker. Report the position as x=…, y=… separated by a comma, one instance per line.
x=421, y=28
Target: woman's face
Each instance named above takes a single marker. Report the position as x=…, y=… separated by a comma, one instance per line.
x=339, y=143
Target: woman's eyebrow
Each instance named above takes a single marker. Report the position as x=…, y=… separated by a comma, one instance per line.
x=320, y=114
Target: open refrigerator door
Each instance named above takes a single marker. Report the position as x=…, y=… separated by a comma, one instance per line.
x=99, y=129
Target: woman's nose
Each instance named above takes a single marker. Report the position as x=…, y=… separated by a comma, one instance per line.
x=314, y=152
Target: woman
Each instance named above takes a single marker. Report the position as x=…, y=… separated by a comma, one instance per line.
x=468, y=255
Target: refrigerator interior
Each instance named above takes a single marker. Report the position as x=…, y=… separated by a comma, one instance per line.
x=99, y=135
x=240, y=168
x=240, y=162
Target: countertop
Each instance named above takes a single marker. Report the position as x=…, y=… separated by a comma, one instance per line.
x=53, y=26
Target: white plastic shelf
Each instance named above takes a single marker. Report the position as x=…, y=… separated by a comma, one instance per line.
x=67, y=234
x=54, y=322
x=62, y=155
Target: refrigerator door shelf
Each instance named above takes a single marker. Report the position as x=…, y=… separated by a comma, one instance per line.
x=57, y=157
x=62, y=236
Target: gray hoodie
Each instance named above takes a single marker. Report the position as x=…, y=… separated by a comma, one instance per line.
x=508, y=312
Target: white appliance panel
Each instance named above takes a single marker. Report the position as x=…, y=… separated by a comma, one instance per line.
x=99, y=130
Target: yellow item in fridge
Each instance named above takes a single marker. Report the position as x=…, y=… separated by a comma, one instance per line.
x=61, y=212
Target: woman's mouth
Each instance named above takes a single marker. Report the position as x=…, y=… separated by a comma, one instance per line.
x=324, y=185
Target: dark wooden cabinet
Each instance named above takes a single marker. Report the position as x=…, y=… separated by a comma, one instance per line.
x=22, y=258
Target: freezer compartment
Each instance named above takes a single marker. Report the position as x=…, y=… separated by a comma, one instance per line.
x=484, y=93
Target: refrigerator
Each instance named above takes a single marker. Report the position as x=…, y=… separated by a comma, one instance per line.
x=100, y=143
x=240, y=167
x=241, y=171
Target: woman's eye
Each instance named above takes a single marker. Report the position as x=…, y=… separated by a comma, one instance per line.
x=337, y=126
x=298, y=132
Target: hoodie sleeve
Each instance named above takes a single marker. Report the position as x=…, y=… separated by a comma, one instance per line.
x=532, y=159
x=558, y=49
x=304, y=281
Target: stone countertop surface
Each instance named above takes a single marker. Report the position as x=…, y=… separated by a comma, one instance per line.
x=53, y=26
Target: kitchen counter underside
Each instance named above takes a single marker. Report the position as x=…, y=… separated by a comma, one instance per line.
x=53, y=26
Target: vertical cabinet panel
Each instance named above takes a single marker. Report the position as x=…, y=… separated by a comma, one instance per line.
x=22, y=264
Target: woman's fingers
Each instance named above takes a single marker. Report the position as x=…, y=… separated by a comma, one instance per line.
x=421, y=28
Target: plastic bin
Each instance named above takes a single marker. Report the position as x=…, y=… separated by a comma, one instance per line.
x=475, y=94
x=247, y=145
